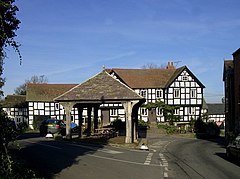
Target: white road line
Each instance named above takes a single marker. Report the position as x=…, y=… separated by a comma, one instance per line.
x=109, y=151
x=164, y=163
x=148, y=159
x=123, y=161
x=96, y=148
x=165, y=174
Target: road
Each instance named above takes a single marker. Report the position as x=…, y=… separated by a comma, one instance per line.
x=168, y=157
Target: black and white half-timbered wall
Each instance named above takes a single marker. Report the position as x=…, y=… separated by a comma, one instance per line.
x=16, y=108
x=176, y=87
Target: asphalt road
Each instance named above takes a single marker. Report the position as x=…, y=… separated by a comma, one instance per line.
x=168, y=157
x=196, y=158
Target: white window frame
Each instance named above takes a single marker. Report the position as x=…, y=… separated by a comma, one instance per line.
x=57, y=106
x=176, y=111
x=144, y=112
x=113, y=112
x=191, y=110
x=143, y=93
x=159, y=111
x=193, y=93
x=176, y=93
x=159, y=94
x=184, y=78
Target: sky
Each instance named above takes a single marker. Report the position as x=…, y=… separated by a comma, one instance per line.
x=71, y=41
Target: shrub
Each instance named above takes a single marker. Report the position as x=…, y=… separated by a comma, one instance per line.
x=142, y=124
x=118, y=124
x=169, y=128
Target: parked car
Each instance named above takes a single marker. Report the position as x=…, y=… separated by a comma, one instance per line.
x=74, y=129
x=233, y=149
x=52, y=126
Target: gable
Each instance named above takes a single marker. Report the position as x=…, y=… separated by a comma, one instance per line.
x=183, y=74
x=101, y=87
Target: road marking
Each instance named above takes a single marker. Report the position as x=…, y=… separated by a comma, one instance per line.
x=118, y=160
x=46, y=145
x=148, y=159
x=109, y=151
x=97, y=149
x=164, y=163
x=165, y=174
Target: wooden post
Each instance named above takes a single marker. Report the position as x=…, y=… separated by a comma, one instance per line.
x=128, y=107
x=68, y=107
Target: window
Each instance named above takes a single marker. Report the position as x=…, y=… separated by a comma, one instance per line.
x=159, y=111
x=158, y=94
x=191, y=110
x=113, y=112
x=185, y=78
x=176, y=93
x=143, y=93
x=144, y=112
x=193, y=93
x=57, y=106
x=176, y=111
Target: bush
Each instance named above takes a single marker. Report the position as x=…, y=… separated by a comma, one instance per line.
x=230, y=136
x=169, y=128
x=8, y=133
x=22, y=127
x=199, y=126
x=206, y=130
x=142, y=124
x=118, y=124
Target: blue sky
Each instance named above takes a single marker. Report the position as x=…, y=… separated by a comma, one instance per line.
x=70, y=41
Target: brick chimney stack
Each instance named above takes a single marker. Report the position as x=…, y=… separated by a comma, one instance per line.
x=170, y=66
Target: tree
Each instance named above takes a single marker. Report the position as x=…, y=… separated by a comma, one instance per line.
x=8, y=26
x=21, y=90
x=168, y=111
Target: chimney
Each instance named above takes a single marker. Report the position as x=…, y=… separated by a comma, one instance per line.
x=170, y=66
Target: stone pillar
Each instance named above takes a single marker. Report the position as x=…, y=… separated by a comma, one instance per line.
x=89, y=119
x=128, y=106
x=68, y=107
x=80, y=117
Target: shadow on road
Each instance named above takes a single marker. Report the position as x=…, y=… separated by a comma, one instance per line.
x=28, y=135
x=223, y=156
x=218, y=140
x=48, y=157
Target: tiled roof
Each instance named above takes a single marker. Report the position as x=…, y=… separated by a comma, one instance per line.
x=143, y=78
x=17, y=101
x=149, y=78
x=101, y=87
x=46, y=92
x=215, y=108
